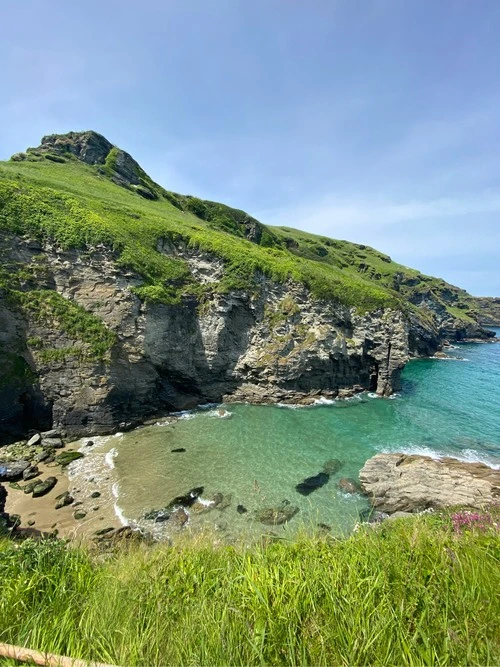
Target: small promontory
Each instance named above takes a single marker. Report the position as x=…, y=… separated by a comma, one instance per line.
x=412, y=483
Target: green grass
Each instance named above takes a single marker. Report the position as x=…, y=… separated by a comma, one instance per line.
x=77, y=206
x=411, y=592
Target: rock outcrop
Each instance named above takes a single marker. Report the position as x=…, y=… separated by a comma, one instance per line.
x=412, y=483
x=92, y=341
x=489, y=311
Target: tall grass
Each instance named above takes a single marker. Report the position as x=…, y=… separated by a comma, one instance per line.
x=409, y=593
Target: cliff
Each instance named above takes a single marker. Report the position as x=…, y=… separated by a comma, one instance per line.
x=119, y=298
x=488, y=311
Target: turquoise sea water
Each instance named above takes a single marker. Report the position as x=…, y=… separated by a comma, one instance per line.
x=259, y=453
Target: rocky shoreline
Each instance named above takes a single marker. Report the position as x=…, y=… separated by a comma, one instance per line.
x=36, y=497
x=414, y=483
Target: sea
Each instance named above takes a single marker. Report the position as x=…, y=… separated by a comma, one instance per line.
x=257, y=455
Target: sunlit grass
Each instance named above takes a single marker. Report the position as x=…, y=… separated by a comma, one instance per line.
x=411, y=592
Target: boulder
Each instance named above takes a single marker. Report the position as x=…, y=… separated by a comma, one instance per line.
x=30, y=486
x=54, y=443
x=63, y=499
x=412, y=483
x=187, y=499
x=30, y=472
x=11, y=471
x=310, y=484
x=44, y=487
x=34, y=440
x=65, y=458
x=274, y=516
x=42, y=456
x=179, y=517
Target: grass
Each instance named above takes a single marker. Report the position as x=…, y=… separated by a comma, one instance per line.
x=411, y=592
x=77, y=206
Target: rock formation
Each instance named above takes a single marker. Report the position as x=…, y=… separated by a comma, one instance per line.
x=84, y=349
x=411, y=483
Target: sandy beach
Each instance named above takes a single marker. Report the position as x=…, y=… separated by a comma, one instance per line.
x=39, y=515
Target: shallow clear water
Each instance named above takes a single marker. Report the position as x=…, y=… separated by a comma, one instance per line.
x=259, y=453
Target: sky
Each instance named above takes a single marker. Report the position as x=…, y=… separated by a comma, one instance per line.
x=375, y=121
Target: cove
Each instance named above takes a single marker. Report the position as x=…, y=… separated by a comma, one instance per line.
x=258, y=455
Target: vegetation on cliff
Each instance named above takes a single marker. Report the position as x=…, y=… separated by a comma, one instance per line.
x=80, y=191
x=410, y=592
x=489, y=310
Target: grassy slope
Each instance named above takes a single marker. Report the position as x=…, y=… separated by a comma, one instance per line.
x=73, y=204
x=412, y=592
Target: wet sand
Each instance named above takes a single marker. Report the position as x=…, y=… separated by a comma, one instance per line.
x=99, y=511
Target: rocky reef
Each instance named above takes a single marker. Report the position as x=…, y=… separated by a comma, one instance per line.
x=96, y=334
x=413, y=483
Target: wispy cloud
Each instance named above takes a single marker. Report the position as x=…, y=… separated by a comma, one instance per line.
x=368, y=214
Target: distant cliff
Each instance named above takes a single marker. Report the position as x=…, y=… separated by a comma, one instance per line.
x=489, y=311
x=119, y=298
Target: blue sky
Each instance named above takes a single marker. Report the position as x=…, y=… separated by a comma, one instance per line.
x=377, y=121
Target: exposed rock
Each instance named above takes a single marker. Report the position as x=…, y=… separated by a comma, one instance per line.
x=273, y=516
x=179, y=517
x=44, y=487
x=34, y=440
x=79, y=514
x=310, y=484
x=42, y=456
x=187, y=499
x=30, y=472
x=349, y=485
x=64, y=499
x=12, y=471
x=29, y=488
x=410, y=483
x=275, y=342
x=54, y=443
x=65, y=458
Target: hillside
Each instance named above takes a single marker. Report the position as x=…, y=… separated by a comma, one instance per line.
x=119, y=298
x=488, y=310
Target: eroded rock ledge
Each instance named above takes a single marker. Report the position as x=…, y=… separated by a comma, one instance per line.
x=412, y=483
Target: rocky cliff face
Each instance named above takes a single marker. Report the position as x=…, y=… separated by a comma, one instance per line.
x=273, y=344
x=489, y=311
x=84, y=350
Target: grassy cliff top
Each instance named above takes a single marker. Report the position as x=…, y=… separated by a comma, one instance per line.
x=80, y=190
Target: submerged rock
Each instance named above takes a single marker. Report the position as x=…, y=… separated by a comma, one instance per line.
x=411, y=483
x=349, y=485
x=241, y=509
x=274, y=516
x=310, y=484
x=332, y=466
x=178, y=450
